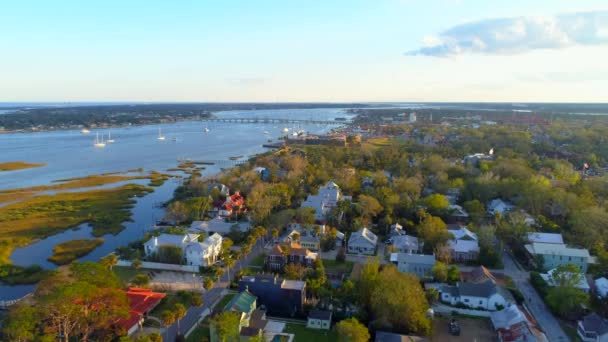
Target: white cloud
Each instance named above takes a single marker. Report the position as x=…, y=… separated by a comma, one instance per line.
x=518, y=35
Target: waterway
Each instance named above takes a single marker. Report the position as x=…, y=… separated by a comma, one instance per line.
x=71, y=154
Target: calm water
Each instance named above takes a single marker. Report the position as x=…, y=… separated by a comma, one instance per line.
x=71, y=154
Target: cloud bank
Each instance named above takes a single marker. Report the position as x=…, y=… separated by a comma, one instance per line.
x=518, y=35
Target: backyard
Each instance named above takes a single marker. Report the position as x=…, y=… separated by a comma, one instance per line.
x=333, y=266
x=303, y=334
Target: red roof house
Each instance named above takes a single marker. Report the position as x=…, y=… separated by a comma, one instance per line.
x=141, y=302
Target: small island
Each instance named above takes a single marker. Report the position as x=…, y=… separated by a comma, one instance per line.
x=18, y=165
x=66, y=252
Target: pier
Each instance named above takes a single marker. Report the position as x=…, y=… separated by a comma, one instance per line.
x=277, y=121
x=219, y=162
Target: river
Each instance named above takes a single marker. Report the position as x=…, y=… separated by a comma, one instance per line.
x=71, y=154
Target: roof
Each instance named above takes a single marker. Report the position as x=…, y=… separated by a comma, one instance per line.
x=601, y=285
x=582, y=284
x=482, y=290
x=141, y=301
x=242, y=302
x=595, y=323
x=463, y=246
x=320, y=314
x=363, y=235
x=382, y=336
x=217, y=225
x=405, y=241
x=480, y=274
x=555, y=249
x=293, y=284
x=545, y=238
x=463, y=234
x=170, y=239
x=414, y=258
x=249, y=331
x=507, y=317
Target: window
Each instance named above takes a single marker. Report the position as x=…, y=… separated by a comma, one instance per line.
x=466, y=300
x=480, y=302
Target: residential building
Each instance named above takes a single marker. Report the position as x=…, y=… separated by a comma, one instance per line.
x=601, y=287
x=396, y=230
x=324, y=201
x=319, y=319
x=280, y=296
x=582, y=285
x=418, y=264
x=593, y=328
x=474, y=159
x=280, y=256
x=222, y=189
x=486, y=295
x=218, y=225
x=512, y=325
x=545, y=238
x=141, y=302
x=263, y=172
x=382, y=336
x=554, y=255
x=309, y=236
x=362, y=241
x=233, y=204
x=457, y=213
x=464, y=246
x=340, y=239
x=194, y=253
x=406, y=244
x=498, y=206
x=478, y=274
x=252, y=321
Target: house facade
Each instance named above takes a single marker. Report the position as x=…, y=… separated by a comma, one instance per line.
x=464, y=246
x=324, y=201
x=194, y=253
x=319, y=319
x=554, y=255
x=418, y=264
x=280, y=256
x=486, y=295
x=280, y=296
x=362, y=241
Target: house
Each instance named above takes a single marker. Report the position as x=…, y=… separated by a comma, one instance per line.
x=464, y=246
x=339, y=239
x=280, y=296
x=194, y=253
x=396, y=230
x=478, y=274
x=593, y=328
x=512, y=325
x=362, y=241
x=324, y=201
x=382, y=336
x=218, y=225
x=141, y=302
x=486, y=295
x=233, y=204
x=457, y=213
x=498, y=206
x=545, y=238
x=252, y=321
x=582, y=284
x=319, y=319
x=406, y=244
x=221, y=188
x=306, y=235
x=554, y=255
x=474, y=159
x=263, y=172
x=601, y=287
x=280, y=256
x=418, y=264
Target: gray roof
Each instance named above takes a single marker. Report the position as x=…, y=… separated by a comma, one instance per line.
x=320, y=314
x=556, y=249
x=416, y=258
x=293, y=284
x=485, y=289
x=382, y=336
x=595, y=323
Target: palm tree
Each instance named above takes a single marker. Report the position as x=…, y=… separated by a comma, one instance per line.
x=109, y=261
x=136, y=264
x=168, y=318
x=180, y=312
x=229, y=264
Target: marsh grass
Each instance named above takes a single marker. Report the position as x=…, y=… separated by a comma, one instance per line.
x=66, y=252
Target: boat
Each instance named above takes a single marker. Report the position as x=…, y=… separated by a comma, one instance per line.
x=295, y=134
x=206, y=129
x=266, y=132
x=235, y=158
x=110, y=140
x=160, y=135
x=99, y=143
x=85, y=131
x=285, y=130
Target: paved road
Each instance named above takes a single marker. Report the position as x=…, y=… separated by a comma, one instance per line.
x=209, y=297
x=534, y=302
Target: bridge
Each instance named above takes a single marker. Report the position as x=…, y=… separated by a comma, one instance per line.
x=277, y=121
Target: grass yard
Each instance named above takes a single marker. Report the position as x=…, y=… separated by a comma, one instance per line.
x=168, y=303
x=258, y=261
x=66, y=252
x=18, y=165
x=125, y=273
x=220, y=305
x=303, y=334
x=201, y=333
x=471, y=329
x=332, y=266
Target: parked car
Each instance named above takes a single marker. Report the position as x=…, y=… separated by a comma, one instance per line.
x=454, y=327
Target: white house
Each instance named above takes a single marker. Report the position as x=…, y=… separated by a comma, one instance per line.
x=499, y=206
x=195, y=253
x=582, y=284
x=396, y=229
x=319, y=319
x=486, y=295
x=324, y=201
x=545, y=238
x=464, y=246
x=406, y=244
x=419, y=264
x=362, y=241
x=601, y=287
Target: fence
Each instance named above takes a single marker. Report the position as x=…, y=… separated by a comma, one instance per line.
x=448, y=310
x=161, y=266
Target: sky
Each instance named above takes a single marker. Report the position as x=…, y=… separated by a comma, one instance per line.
x=304, y=51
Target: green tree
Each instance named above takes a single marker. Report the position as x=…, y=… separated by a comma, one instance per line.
x=370, y=207
x=136, y=264
x=432, y=295
x=350, y=330
x=440, y=272
x=294, y=271
x=177, y=212
x=109, y=261
x=475, y=209
x=433, y=231
x=437, y=204
x=21, y=323
x=453, y=274
x=168, y=318
x=368, y=281
x=568, y=275
x=208, y=283
x=567, y=302
x=226, y=326
x=197, y=299
x=180, y=312
x=141, y=280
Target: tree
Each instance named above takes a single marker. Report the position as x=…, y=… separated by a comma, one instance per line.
x=350, y=330
x=109, y=261
x=440, y=272
x=177, y=212
x=141, y=280
x=453, y=274
x=568, y=275
x=229, y=262
x=275, y=233
x=370, y=207
x=368, y=281
x=567, y=302
x=180, y=312
x=136, y=264
x=170, y=254
x=436, y=204
x=475, y=209
x=294, y=271
x=208, y=283
x=341, y=255
x=21, y=323
x=226, y=326
x=432, y=295
x=168, y=318
x=433, y=231
x=197, y=300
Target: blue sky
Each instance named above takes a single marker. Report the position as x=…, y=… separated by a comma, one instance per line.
x=356, y=50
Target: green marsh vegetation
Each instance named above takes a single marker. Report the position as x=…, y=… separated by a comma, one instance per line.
x=18, y=165
x=66, y=252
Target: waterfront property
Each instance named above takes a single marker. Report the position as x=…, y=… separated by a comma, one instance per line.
x=194, y=253
x=552, y=255
x=218, y=225
x=418, y=264
x=279, y=296
x=362, y=241
x=141, y=302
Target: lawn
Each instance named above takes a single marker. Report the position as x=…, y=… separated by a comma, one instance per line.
x=303, y=334
x=125, y=274
x=66, y=252
x=201, y=333
x=220, y=305
x=332, y=266
x=168, y=303
x=258, y=261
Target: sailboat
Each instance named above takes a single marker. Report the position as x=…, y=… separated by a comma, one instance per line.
x=99, y=143
x=110, y=140
x=160, y=135
x=206, y=129
x=85, y=131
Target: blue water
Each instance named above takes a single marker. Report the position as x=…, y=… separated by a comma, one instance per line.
x=72, y=154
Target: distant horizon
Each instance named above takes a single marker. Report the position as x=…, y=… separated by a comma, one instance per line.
x=292, y=102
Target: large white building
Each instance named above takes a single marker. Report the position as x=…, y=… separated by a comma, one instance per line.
x=195, y=253
x=327, y=198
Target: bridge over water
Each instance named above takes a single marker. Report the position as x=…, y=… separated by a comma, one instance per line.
x=277, y=121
